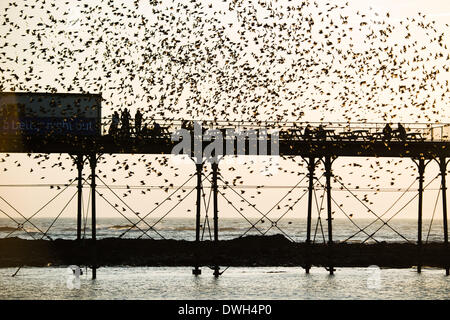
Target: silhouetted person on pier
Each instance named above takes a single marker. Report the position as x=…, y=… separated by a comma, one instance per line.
x=401, y=132
x=138, y=122
x=308, y=133
x=125, y=122
x=156, y=129
x=114, y=127
x=387, y=133
x=321, y=134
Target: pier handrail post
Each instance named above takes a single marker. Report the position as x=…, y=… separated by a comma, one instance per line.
x=79, y=163
x=443, y=167
x=93, y=163
x=329, y=212
x=215, y=169
x=199, y=167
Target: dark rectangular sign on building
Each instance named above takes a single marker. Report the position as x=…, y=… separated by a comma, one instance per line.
x=50, y=114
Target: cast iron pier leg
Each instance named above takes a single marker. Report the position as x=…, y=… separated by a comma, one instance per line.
x=80, y=162
x=93, y=162
x=215, y=168
x=197, y=271
x=330, y=219
x=421, y=168
x=311, y=167
x=443, y=165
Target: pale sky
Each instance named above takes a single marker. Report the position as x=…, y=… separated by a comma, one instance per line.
x=28, y=200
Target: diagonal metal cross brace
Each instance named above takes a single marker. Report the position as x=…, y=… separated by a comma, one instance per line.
x=154, y=209
x=371, y=211
x=415, y=196
x=135, y=213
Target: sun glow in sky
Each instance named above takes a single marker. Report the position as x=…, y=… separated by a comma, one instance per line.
x=178, y=66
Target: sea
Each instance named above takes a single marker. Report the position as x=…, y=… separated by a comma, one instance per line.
x=248, y=283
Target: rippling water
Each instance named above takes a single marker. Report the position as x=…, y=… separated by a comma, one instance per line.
x=235, y=283
x=183, y=228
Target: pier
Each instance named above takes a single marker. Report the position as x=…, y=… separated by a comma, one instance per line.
x=423, y=144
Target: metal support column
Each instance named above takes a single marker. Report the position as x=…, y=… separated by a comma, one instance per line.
x=93, y=162
x=80, y=163
x=329, y=216
x=215, y=168
x=197, y=271
x=311, y=167
x=421, y=167
x=443, y=167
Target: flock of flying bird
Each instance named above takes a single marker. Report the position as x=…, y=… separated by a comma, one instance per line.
x=262, y=60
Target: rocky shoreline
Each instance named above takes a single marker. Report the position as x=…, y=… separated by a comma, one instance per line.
x=249, y=251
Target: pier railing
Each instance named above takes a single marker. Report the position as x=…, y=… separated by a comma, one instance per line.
x=436, y=132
